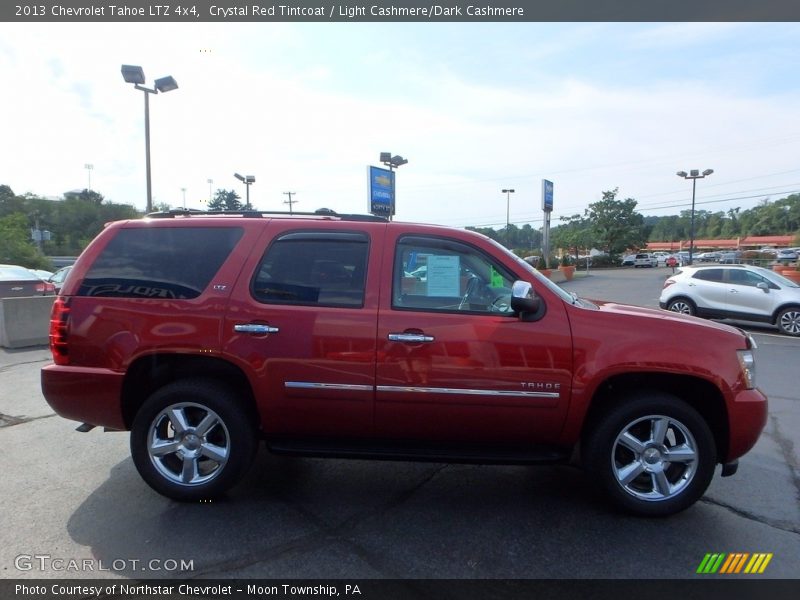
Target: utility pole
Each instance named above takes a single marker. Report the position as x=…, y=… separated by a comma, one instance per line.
x=290, y=202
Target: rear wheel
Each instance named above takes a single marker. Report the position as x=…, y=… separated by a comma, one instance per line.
x=683, y=306
x=789, y=321
x=192, y=440
x=652, y=453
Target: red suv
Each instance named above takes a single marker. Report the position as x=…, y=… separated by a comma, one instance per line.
x=352, y=336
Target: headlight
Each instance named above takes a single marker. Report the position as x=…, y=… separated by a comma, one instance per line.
x=747, y=362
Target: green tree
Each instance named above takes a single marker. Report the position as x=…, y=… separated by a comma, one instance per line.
x=615, y=224
x=225, y=200
x=16, y=247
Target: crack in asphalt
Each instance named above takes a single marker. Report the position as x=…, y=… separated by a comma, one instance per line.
x=750, y=516
x=10, y=420
x=5, y=368
x=328, y=532
x=787, y=449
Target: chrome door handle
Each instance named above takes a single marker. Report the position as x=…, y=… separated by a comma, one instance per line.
x=255, y=328
x=414, y=338
x=734, y=291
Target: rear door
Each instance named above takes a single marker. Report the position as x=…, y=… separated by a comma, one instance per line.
x=304, y=321
x=709, y=290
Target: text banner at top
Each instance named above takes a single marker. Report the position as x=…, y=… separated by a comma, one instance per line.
x=164, y=11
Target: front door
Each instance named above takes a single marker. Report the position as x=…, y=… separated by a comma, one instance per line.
x=454, y=363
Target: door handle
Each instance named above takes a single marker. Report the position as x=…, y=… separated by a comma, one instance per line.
x=412, y=338
x=733, y=291
x=255, y=329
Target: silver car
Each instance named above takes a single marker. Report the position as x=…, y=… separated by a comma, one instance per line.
x=740, y=292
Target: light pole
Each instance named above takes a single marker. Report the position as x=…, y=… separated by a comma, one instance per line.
x=210, y=183
x=184, y=198
x=89, y=168
x=247, y=180
x=393, y=162
x=508, y=193
x=694, y=175
x=135, y=75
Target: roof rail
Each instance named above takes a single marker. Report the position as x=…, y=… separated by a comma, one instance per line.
x=322, y=212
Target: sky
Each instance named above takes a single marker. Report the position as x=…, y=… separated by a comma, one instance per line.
x=474, y=107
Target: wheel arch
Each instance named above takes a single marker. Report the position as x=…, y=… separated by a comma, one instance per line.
x=700, y=394
x=781, y=308
x=149, y=373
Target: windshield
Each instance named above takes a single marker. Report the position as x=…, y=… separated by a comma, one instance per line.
x=776, y=277
x=563, y=294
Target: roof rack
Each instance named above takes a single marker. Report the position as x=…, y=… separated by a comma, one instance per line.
x=321, y=212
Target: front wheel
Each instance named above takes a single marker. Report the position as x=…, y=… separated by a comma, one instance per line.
x=652, y=453
x=192, y=440
x=789, y=321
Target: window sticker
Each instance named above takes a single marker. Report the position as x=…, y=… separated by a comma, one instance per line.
x=443, y=276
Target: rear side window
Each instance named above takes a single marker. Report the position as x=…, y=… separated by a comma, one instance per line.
x=716, y=275
x=314, y=268
x=160, y=262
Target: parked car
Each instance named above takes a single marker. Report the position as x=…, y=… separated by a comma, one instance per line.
x=57, y=278
x=741, y=292
x=708, y=257
x=645, y=260
x=17, y=282
x=628, y=260
x=787, y=254
x=730, y=258
x=661, y=258
x=201, y=357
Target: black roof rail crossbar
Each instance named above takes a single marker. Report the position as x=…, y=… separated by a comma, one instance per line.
x=322, y=212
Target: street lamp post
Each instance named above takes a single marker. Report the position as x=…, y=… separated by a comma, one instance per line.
x=184, y=197
x=135, y=75
x=210, y=196
x=508, y=193
x=89, y=168
x=694, y=175
x=247, y=180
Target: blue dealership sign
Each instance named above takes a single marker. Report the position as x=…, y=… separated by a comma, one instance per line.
x=381, y=191
x=547, y=195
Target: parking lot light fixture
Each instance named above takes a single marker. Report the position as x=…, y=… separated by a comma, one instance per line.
x=694, y=175
x=135, y=74
x=247, y=180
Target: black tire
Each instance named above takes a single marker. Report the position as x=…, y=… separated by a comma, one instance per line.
x=210, y=455
x=788, y=321
x=683, y=306
x=629, y=449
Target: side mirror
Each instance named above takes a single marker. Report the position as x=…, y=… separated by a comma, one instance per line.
x=763, y=286
x=525, y=302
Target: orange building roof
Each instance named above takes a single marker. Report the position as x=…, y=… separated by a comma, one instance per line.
x=752, y=241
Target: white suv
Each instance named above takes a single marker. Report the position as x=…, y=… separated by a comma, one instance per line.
x=741, y=292
x=645, y=260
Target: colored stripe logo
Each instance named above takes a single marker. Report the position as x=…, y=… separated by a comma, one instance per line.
x=736, y=562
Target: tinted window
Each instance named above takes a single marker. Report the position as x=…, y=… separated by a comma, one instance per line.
x=160, y=262
x=710, y=275
x=742, y=277
x=327, y=269
x=443, y=275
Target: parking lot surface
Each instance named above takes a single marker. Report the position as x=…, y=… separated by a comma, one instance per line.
x=74, y=496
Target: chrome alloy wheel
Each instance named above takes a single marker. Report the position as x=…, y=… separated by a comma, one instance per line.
x=682, y=307
x=654, y=458
x=789, y=321
x=188, y=444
